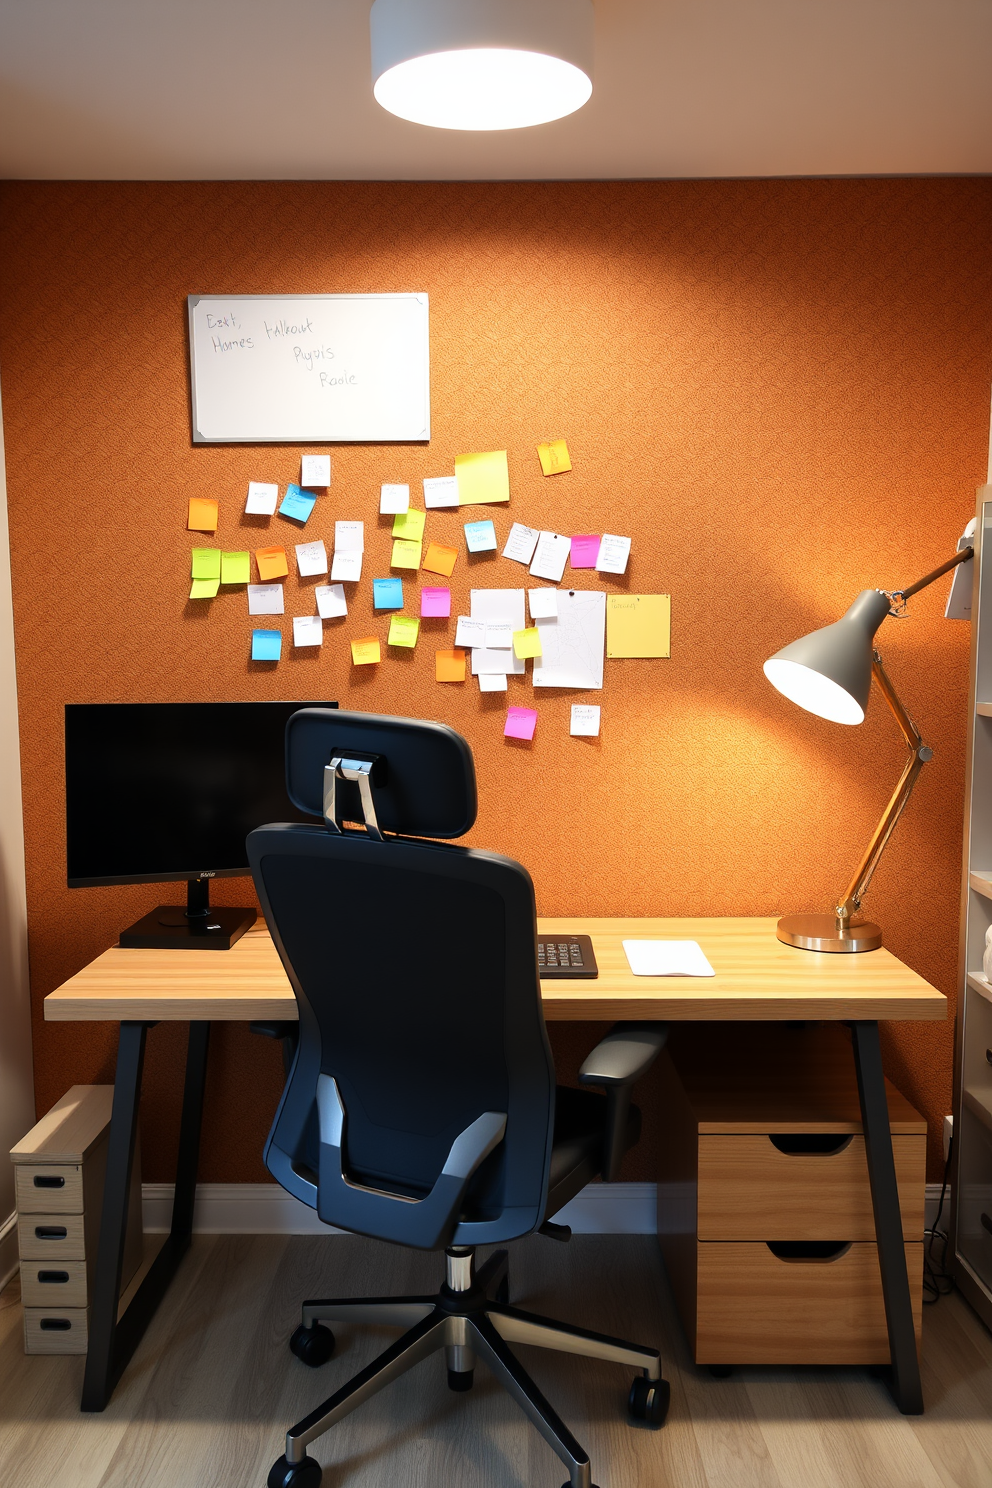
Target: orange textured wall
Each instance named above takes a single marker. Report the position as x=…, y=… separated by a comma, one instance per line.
x=780, y=390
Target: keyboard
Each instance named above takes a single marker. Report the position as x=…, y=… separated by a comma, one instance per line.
x=567, y=956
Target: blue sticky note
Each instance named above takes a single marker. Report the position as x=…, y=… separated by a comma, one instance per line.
x=266, y=645
x=480, y=537
x=297, y=503
x=387, y=594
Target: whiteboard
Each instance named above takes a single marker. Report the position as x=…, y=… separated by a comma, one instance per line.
x=309, y=369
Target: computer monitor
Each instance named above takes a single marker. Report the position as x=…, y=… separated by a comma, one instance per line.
x=159, y=792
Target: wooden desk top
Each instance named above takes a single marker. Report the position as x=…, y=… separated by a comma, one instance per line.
x=757, y=977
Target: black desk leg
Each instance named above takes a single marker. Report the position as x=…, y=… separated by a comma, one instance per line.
x=112, y=1341
x=905, y=1378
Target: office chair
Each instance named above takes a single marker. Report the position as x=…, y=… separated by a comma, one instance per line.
x=421, y=1106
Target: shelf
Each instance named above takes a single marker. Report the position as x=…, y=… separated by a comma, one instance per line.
x=981, y=882
x=980, y=985
x=984, y=710
x=978, y=1108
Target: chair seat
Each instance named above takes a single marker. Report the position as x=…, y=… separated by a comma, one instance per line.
x=577, y=1153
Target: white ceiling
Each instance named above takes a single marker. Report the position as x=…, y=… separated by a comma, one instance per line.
x=280, y=90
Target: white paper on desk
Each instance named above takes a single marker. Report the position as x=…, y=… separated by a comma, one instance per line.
x=440, y=490
x=521, y=543
x=262, y=498
x=331, y=603
x=492, y=681
x=667, y=958
x=349, y=536
x=551, y=557
x=265, y=599
x=470, y=632
x=572, y=646
x=394, y=499
x=315, y=470
x=543, y=604
x=308, y=630
x=613, y=553
x=311, y=558
x=498, y=607
x=347, y=565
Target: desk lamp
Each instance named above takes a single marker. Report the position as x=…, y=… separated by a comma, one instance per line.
x=829, y=672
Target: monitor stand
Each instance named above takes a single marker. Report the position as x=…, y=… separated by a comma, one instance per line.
x=195, y=928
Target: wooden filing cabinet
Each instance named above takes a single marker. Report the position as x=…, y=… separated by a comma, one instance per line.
x=764, y=1208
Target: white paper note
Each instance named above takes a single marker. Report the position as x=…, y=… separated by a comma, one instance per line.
x=311, y=558
x=499, y=637
x=667, y=958
x=543, y=603
x=613, y=553
x=498, y=607
x=470, y=632
x=262, y=499
x=572, y=646
x=492, y=681
x=315, y=470
x=308, y=630
x=347, y=565
x=958, y=605
x=265, y=599
x=585, y=720
x=393, y=499
x=440, y=490
x=551, y=556
x=349, y=535
x=521, y=543
x=331, y=602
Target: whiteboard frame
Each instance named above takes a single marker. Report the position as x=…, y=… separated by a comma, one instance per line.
x=194, y=299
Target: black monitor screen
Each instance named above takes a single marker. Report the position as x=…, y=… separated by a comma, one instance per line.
x=161, y=791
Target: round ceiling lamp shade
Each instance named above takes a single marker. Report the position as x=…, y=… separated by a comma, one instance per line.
x=482, y=64
x=829, y=671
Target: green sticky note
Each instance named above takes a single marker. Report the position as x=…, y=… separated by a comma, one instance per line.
x=235, y=568
x=206, y=563
x=409, y=524
x=403, y=630
x=204, y=588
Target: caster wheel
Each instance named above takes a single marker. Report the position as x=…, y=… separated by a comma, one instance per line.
x=648, y=1401
x=305, y=1474
x=460, y=1379
x=313, y=1346
x=720, y=1371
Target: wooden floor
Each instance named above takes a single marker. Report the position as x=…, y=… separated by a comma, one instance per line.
x=208, y=1396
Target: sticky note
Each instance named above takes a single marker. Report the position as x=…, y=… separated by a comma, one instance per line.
x=202, y=515
x=204, y=588
x=235, y=568
x=206, y=563
x=470, y=632
x=266, y=599
x=266, y=645
x=549, y=559
x=403, y=630
x=480, y=537
x=365, y=651
x=482, y=478
x=387, y=594
x=297, y=504
x=435, y=603
x=585, y=720
x=449, y=666
x=585, y=551
x=311, y=558
x=315, y=470
x=331, y=603
x=440, y=490
x=520, y=723
x=440, y=560
x=492, y=682
x=554, y=457
x=347, y=565
x=543, y=604
x=349, y=537
x=409, y=524
x=262, y=498
x=405, y=554
x=393, y=498
x=638, y=625
x=526, y=643
x=308, y=630
x=613, y=554
x=271, y=563
x=499, y=636
x=521, y=543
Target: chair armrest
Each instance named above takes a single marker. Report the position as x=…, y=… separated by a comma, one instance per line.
x=618, y=1060
x=288, y=1032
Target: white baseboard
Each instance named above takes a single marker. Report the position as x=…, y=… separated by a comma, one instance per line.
x=8, y=1249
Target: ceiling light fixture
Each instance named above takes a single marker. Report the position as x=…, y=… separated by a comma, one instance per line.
x=482, y=64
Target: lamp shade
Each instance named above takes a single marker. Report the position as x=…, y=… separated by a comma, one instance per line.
x=481, y=64
x=829, y=671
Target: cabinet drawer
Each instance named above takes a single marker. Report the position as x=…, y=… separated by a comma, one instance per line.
x=54, y=1284
x=750, y=1189
x=55, y=1330
x=48, y=1188
x=51, y=1237
x=753, y=1307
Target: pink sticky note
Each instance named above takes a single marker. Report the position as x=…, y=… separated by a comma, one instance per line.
x=585, y=551
x=435, y=602
x=520, y=723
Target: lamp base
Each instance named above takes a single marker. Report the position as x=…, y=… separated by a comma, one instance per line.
x=818, y=932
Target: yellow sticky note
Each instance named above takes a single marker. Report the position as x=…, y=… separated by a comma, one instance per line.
x=235, y=568
x=554, y=457
x=206, y=563
x=403, y=630
x=482, y=478
x=202, y=515
x=365, y=650
x=527, y=643
x=405, y=554
x=440, y=560
x=639, y=625
x=204, y=588
x=449, y=666
x=272, y=563
x=409, y=524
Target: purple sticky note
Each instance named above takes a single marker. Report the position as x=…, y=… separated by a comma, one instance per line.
x=585, y=550
x=520, y=723
x=435, y=602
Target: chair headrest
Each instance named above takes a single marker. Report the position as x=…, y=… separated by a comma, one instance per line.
x=423, y=781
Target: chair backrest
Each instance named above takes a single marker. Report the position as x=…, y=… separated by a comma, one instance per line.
x=420, y=1105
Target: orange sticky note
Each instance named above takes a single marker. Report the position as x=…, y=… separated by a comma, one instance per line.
x=202, y=515
x=449, y=666
x=440, y=559
x=554, y=457
x=271, y=563
x=365, y=650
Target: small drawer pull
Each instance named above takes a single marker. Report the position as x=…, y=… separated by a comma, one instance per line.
x=986, y=1223
x=53, y=1278
x=55, y=1325
x=50, y=1232
x=808, y=1250
x=46, y=1180
x=988, y=1055
x=810, y=1144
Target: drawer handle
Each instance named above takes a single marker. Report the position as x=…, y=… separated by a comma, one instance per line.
x=55, y=1325
x=811, y=1144
x=986, y=1223
x=988, y=1055
x=50, y=1232
x=808, y=1250
x=53, y=1278
x=44, y=1181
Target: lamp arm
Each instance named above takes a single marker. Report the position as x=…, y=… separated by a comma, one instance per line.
x=900, y=596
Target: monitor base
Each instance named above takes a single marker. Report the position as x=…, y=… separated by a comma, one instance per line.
x=169, y=928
